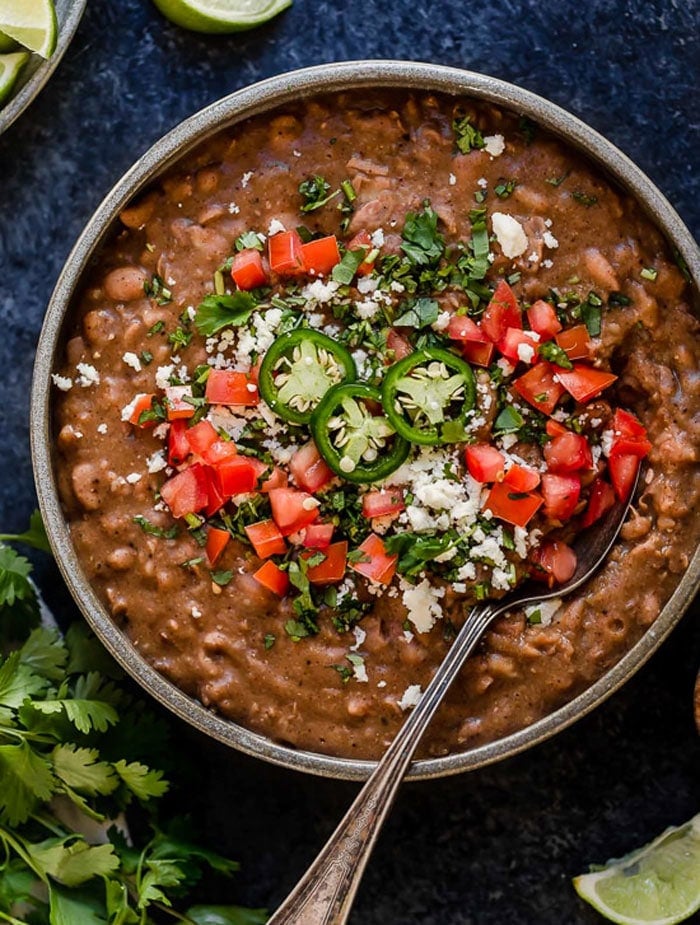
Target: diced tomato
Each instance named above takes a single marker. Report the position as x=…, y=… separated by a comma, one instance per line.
x=554, y=428
x=176, y=407
x=276, y=479
x=557, y=560
x=521, y=478
x=219, y=452
x=231, y=387
x=561, y=494
x=178, y=444
x=201, y=437
x=627, y=425
x=317, y=536
x=247, y=269
x=141, y=403
x=463, y=328
x=309, y=469
x=186, y=492
x=266, y=538
x=623, y=472
x=538, y=387
x=285, y=251
x=576, y=342
x=378, y=565
x=321, y=255
x=484, y=462
x=501, y=313
x=382, y=503
x=568, y=452
x=216, y=499
x=600, y=501
x=629, y=435
x=332, y=568
x=272, y=577
x=292, y=509
x=398, y=345
x=515, y=507
x=584, y=382
x=217, y=541
x=543, y=319
x=515, y=339
x=478, y=353
x=363, y=239
x=237, y=476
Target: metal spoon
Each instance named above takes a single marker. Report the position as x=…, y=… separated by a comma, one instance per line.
x=325, y=894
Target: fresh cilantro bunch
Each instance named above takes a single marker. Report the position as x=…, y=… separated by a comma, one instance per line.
x=74, y=747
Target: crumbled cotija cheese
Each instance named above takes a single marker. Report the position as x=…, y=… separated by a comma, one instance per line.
x=133, y=361
x=64, y=383
x=88, y=375
x=423, y=603
x=510, y=234
x=495, y=145
x=411, y=696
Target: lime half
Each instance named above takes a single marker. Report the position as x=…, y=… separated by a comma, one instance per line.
x=10, y=66
x=32, y=23
x=657, y=885
x=220, y=15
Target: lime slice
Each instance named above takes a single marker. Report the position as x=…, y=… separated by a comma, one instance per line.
x=32, y=23
x=657, y=885
x=10, y=66
x=220, y=15
x=6, y=43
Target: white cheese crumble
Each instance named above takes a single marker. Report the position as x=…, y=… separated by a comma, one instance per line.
x=422, y=601
x=163, y=374
x=133, y=477
x=157, y=462
x=545, y=609
x=510, y=234
x=246, y=178
x=358, y=669
x=275, y=227
x=377, y=237
x=360, y=636
x=102, y=428
x=64, y=383
x=442, y=322
x=195, y=612
x=549, y=240
x=88, y=375
x=320, y=292
x=495, y=145
x=410, y=697
x=133, y=361
x=452, y=180
x=233, y=208
x=526, y=353
x=482, y=182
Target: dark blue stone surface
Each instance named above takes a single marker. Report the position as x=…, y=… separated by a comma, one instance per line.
x=497, y=846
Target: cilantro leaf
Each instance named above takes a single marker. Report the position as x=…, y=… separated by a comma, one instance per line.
x=81, y=769
x=35, y=536
x=467, y=137
x=69, y=906
x=221, y=311
x=14, y=577
x=141, y=780
x=422, y=313
x=44, y=653
x=314, y=192
x=85, y=715
x=422, y=243
x=344, y=272
x=159, y=875
x=25, y=779
x=71, y=860
x=555, y=354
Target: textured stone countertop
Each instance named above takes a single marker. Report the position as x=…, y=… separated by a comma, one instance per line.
x=497, y=846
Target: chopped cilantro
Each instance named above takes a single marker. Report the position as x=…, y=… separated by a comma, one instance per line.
x=269, y=640
x=649, y=273
x=180, y=338
x=249, y=240
x=420, y=314
x=156, y=328
x=504, y=188
x=314, y=192
x=153, y=530
x=222, y=311
x=584, y=199
x=554, y=353
x=557, y=181
x=146, y=357
x=156, y=289
x=222, y=577
x=467, y=136
x=344, y=272
x=422, y=244
x=508, y=421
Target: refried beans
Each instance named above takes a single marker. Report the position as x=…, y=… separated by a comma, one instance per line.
x=349, y=367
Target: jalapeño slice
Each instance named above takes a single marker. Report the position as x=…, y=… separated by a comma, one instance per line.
x=356, y=442
x=428, y=395
x=297, y=371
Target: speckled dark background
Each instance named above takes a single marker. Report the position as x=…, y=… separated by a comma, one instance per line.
x=497, y=846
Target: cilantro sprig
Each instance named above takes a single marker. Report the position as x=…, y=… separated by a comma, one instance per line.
x=68, y=761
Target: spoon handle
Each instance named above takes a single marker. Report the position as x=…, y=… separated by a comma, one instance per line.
x=325, y=894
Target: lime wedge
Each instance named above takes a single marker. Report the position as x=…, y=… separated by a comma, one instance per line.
x=6, y=43
x=220, y=15
x=32, y=23
x=657, y=885
x=10, y=66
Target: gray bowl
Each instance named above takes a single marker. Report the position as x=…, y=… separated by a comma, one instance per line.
x=252, y=101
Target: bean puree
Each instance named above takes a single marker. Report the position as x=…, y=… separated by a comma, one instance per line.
x=418, y=183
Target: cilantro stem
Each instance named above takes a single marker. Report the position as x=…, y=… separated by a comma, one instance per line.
x=18, y=845
x=9, y=918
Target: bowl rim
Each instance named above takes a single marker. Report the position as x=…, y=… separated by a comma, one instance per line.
x=250, y=101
